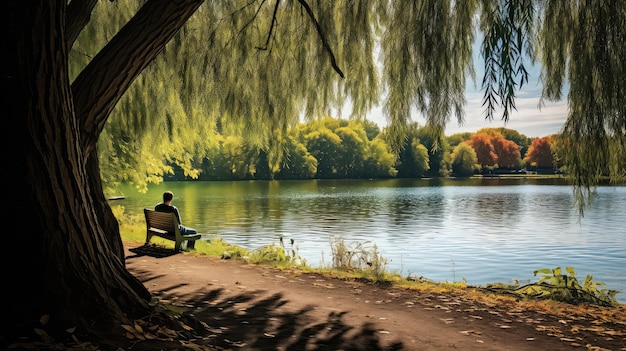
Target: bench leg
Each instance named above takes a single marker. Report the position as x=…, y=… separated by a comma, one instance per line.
x=191, y=244
x=178, y=246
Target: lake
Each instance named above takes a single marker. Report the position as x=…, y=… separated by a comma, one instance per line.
x=478, y=230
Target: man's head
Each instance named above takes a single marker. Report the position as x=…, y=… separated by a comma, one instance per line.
x=168, y=196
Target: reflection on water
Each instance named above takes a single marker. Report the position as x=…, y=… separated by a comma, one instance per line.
x=480, y=230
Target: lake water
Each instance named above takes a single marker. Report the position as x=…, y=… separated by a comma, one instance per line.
x=478, y=230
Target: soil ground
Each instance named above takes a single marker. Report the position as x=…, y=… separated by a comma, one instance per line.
x=257, y=307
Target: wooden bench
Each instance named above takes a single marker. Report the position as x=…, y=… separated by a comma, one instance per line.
x=165, y=225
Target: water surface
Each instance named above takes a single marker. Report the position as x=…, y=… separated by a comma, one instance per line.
x=477, y=230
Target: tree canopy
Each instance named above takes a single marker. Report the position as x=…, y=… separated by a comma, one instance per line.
x=256, y=67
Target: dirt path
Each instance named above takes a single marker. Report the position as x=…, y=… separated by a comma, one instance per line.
x=252, y=307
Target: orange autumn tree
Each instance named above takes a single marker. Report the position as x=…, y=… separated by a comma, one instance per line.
x=540, y=153
x=508, y=153
x=493, y=150
x=481, y=143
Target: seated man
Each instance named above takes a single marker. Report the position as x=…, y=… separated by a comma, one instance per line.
x=166, y=206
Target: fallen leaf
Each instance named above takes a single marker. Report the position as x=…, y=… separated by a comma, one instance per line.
x=41, y=333
x=128, y=328
x=44, y=319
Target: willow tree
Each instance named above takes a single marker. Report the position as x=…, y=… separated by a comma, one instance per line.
x=276, y=57
x=583, y=44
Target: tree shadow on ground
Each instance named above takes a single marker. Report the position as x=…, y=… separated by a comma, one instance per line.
x=152, y=251
x=254, y=320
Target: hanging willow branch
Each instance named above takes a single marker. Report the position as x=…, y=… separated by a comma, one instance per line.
x=269, y=34
x=503, y=49
x=322, y=37
x=306, y=6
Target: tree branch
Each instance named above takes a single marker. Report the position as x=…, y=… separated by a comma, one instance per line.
x=322, y=37
x=78, y=15
x=269, y=34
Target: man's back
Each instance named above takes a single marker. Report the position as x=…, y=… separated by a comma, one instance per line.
x=167, y=208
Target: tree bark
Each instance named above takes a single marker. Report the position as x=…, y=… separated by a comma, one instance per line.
x=102, y=83
x=78, y=16
x=66, y=258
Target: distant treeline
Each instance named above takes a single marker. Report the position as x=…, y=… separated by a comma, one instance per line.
x=336, y=148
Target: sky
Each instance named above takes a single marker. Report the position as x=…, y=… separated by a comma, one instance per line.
x=529, y=119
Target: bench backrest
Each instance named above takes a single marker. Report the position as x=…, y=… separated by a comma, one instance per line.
x=162, y=220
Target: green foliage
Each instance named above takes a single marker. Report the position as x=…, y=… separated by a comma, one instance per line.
x=351, y=153
x=508, y=29
x=227, y=73
x=132, y=227
x=324, y=145
x=594, y=133
x=555, y=285
x=420, y=157
x=380, y=161
x=464, y=161
x=216, y=246
x=414, y=157
x=297, y=162
x=278, y=255
x=417, y=75
x=437, y=145
x=458, y=138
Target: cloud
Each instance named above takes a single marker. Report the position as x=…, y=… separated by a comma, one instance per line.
x=529, y=119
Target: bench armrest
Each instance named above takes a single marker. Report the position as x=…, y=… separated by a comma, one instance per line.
x=158, y=231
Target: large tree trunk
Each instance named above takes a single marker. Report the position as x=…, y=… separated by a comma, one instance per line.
x=114, y=69
x=108, y=222
x=64, y=257
x=66, y=268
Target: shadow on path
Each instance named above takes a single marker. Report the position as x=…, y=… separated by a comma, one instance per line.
x=254, y=320
x=152, y=251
